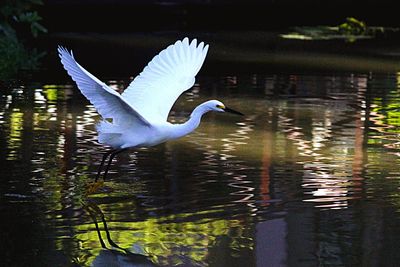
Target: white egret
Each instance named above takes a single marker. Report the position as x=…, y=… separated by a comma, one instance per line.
x=138, y=116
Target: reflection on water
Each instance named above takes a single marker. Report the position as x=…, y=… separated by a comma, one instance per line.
x=114, y=256
x=310, y=176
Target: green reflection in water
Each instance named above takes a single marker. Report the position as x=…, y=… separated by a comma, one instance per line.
x=166, y=240
x=15, y=135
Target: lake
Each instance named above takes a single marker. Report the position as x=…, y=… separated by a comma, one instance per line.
x=309, y=177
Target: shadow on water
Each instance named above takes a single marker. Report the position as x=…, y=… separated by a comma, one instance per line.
x=309, y=177
x=126, y=53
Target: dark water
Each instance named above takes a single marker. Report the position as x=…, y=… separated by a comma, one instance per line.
x=310, y=177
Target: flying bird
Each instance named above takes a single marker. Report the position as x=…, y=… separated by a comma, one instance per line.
x=138, y=116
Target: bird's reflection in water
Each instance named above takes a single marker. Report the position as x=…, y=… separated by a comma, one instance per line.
x=115, y=255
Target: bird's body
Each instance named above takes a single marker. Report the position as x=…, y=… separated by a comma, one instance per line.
x=138, y=116
x=127, y=135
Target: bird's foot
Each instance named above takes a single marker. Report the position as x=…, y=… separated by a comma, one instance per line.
x=92, y=188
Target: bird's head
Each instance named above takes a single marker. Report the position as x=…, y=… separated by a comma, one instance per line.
x=218, y=106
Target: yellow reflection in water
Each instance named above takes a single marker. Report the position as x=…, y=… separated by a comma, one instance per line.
x=52, y=91
x=163, y=238
x=15, y=136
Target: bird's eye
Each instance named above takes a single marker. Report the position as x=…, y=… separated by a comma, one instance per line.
x=220, y=106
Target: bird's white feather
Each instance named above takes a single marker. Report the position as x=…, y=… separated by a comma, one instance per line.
x=154, y=91
x=140, y=113
x=107, y=102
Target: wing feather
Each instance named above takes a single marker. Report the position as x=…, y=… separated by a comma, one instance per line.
x=108, y=102
x=154, y=91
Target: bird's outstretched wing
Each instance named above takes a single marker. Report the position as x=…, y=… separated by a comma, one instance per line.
x=107, y=101
x=154, y=91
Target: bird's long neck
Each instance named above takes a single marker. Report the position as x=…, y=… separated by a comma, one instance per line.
x=192, y=123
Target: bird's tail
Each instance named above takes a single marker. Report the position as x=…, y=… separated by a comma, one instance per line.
x=109, y=134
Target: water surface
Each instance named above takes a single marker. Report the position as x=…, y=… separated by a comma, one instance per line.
x=309, y=177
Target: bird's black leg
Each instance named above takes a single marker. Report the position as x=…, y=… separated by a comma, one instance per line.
x=112, y=155
x=105, y=155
